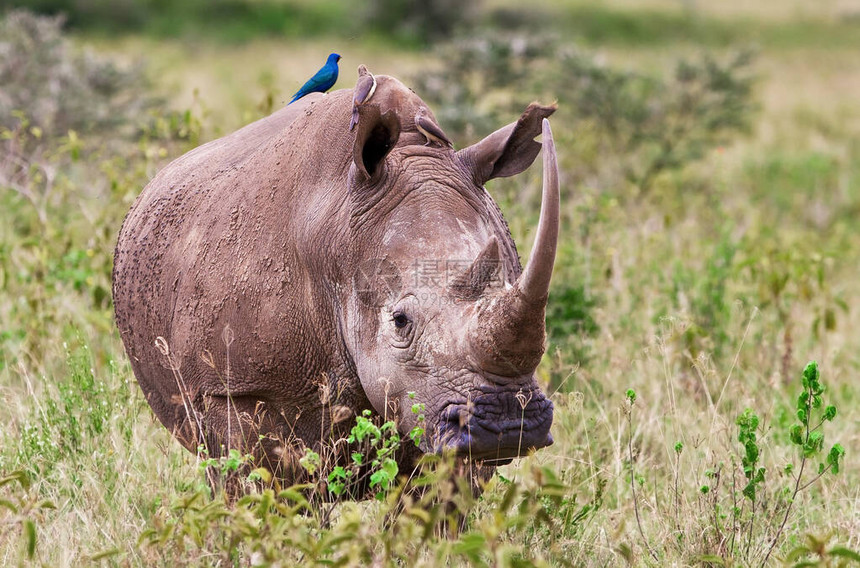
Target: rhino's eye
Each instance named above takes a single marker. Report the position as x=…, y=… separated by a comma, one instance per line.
x=400, y=320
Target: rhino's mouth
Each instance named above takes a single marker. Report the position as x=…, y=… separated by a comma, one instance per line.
x=499, y=424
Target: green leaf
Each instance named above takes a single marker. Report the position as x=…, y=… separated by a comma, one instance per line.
x=471, y=545
x=260, y=474
x=752, y=453
x=830, y=412
x=796, y=553
x=104, y=554
x=310, y=461
x=843, y=552
x=379, y=477
x=296, y=495
x=837, y=453
x=796, y=434
x=30, y=535
x=416, y=434
x=710, y=559
x=386, y=475
x=749, y=491
x=810, y=374
x=20, y=476
x=44, y=504
x=816, y=440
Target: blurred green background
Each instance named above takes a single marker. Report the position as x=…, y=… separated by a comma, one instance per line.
x=710, y=157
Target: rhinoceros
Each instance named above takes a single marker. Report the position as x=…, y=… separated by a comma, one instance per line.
x=274, y=284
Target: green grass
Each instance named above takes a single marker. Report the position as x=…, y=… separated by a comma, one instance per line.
x=597, y=25
x=223, y=20
x=651, y=24
x=707, y=296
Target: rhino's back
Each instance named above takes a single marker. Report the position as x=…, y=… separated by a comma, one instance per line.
x=211, y=243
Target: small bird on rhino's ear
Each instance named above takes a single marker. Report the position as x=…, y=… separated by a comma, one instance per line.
x=322, y=81
x=364, y=89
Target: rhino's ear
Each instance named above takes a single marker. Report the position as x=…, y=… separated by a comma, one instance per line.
x=509, y=150
x=375, y=136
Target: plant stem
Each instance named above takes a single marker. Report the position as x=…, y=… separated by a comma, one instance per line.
x=816, y=478
x=677, y=495
x=633, y=487
x=797, y=489
x=797, y=486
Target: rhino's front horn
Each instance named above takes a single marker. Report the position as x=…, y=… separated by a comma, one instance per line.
x=512, y=330
x=534, y=281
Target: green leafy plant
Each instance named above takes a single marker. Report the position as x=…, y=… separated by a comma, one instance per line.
x=747, y=518
x=747, y=426
x=90, y=93
x=639, y=125
x=630, y=396
x=656, y=125
x=372, y=464
x=808, y=435
x=418, y=431
x=69, y=419
x=405, y=528
x=21, y=510
x=421, y=22
x=815, y=553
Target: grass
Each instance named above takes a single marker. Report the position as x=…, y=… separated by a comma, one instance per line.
x=707, y=296
x=782, y=25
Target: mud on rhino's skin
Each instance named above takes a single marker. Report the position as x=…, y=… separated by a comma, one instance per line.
x=296, y=273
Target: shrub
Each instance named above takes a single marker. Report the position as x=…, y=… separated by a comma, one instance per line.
x=638, y=125
x=652, y=125
x=59, y=88
x=423, y=21
x=742, y=509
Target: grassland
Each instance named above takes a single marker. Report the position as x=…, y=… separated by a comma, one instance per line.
x=706, y=294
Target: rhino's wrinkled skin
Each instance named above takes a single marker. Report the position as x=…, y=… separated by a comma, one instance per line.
x=271, y=285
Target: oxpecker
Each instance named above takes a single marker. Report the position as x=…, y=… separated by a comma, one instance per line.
x=430, y=129
x=364, y=89
x=322, y=81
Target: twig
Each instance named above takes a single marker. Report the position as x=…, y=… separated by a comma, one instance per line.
x=633, y=487
x=732, y=368
x=797, y=489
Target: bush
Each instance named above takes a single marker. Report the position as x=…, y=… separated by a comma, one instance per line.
x=59, y=88
x=424, y=21
x=652, y=124
x=638, y=125
x=79, y=136
x=742, y=509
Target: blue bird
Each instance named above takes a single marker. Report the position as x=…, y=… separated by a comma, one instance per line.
x=322, y=81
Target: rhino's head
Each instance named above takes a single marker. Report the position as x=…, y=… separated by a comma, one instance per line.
x=440, y=311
